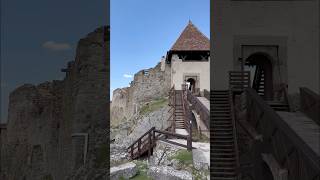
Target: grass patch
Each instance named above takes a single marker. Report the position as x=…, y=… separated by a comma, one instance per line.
x=184, y=156
x=47, y=177
x=102, y=156
x=153, y=106
x=142, y=171
x=141, y=176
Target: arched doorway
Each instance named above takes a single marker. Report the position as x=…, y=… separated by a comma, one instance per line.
x=260, y=65
x=192, y=84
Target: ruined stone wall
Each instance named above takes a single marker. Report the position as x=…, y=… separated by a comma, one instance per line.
x=48, y=123
x=147, y=85
x=3, y=139
x=32, y=131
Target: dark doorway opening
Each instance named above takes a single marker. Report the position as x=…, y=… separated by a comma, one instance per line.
x=261, y=65
x=192, y=84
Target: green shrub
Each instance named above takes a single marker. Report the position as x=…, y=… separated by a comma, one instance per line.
x=142, y=171
x=184, y=156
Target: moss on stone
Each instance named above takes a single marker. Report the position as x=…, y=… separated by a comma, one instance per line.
x=184, y=156
x=153, y=106
x=142, y=171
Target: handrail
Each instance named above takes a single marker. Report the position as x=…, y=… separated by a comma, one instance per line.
x=150, y=130
x=283, y=92
x=186, y=111
x=171, y=134
x=310, y=104
x=200, y=108
x=152, y=138
x=172, y=97
x=239, y=80
x=206, y=94
x=186, y=125
x=273, y=118
x=235, y=139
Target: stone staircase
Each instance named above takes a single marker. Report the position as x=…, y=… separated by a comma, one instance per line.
x=223, y=154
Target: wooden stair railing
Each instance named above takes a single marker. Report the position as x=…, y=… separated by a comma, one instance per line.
x=281, y=101
x=199, y=108
x=286, y=145
x=172, y=104
x=239, y=81
x=147, y=142
x=235, y=138
x=310, y=104
x=258, y=81
x=206, y=94
x=186, y=113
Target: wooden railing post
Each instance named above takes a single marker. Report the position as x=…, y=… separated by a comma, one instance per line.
x=174, y=112
x=139, y=146
x=150, y=143
x=190, y=136
x=235, y=138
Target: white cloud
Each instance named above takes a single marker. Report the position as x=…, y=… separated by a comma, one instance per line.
x=55, y=46
x=127, y=76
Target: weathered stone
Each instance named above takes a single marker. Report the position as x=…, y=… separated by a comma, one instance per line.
x=125, y=171
x=147, y=85
x=168, y=173
x=162, y=154
x=200, y=160
x=48, y=124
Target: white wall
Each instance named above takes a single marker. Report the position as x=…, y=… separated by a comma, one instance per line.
x=179, y=69
x=295, y=22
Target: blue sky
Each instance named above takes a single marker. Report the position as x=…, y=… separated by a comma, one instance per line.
x=38, y=38
x=142, y=31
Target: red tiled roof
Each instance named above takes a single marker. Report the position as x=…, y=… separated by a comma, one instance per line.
x=191, y=39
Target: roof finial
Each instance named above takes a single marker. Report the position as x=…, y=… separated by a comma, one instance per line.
x=189, y=21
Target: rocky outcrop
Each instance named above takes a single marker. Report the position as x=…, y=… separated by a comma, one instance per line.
x=147, y=85
x=130, y=131
x=168, y=173
x=57, y=129
x=125, y=171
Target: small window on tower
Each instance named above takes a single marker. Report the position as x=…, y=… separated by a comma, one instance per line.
x=146, y=72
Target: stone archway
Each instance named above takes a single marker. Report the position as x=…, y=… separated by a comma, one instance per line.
x=262, y=81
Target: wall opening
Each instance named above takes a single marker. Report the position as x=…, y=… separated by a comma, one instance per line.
x=191, y=84
x=260, y=65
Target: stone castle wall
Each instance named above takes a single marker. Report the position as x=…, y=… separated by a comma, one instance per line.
x=48, y=123
x=147, y=85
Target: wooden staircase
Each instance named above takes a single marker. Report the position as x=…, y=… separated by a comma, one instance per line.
x=178, y=111
x=279, y=105
x=223, y=143
x=259, y=81
x=179, y=120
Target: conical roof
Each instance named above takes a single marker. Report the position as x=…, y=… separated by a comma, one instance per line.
x=191, y=39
